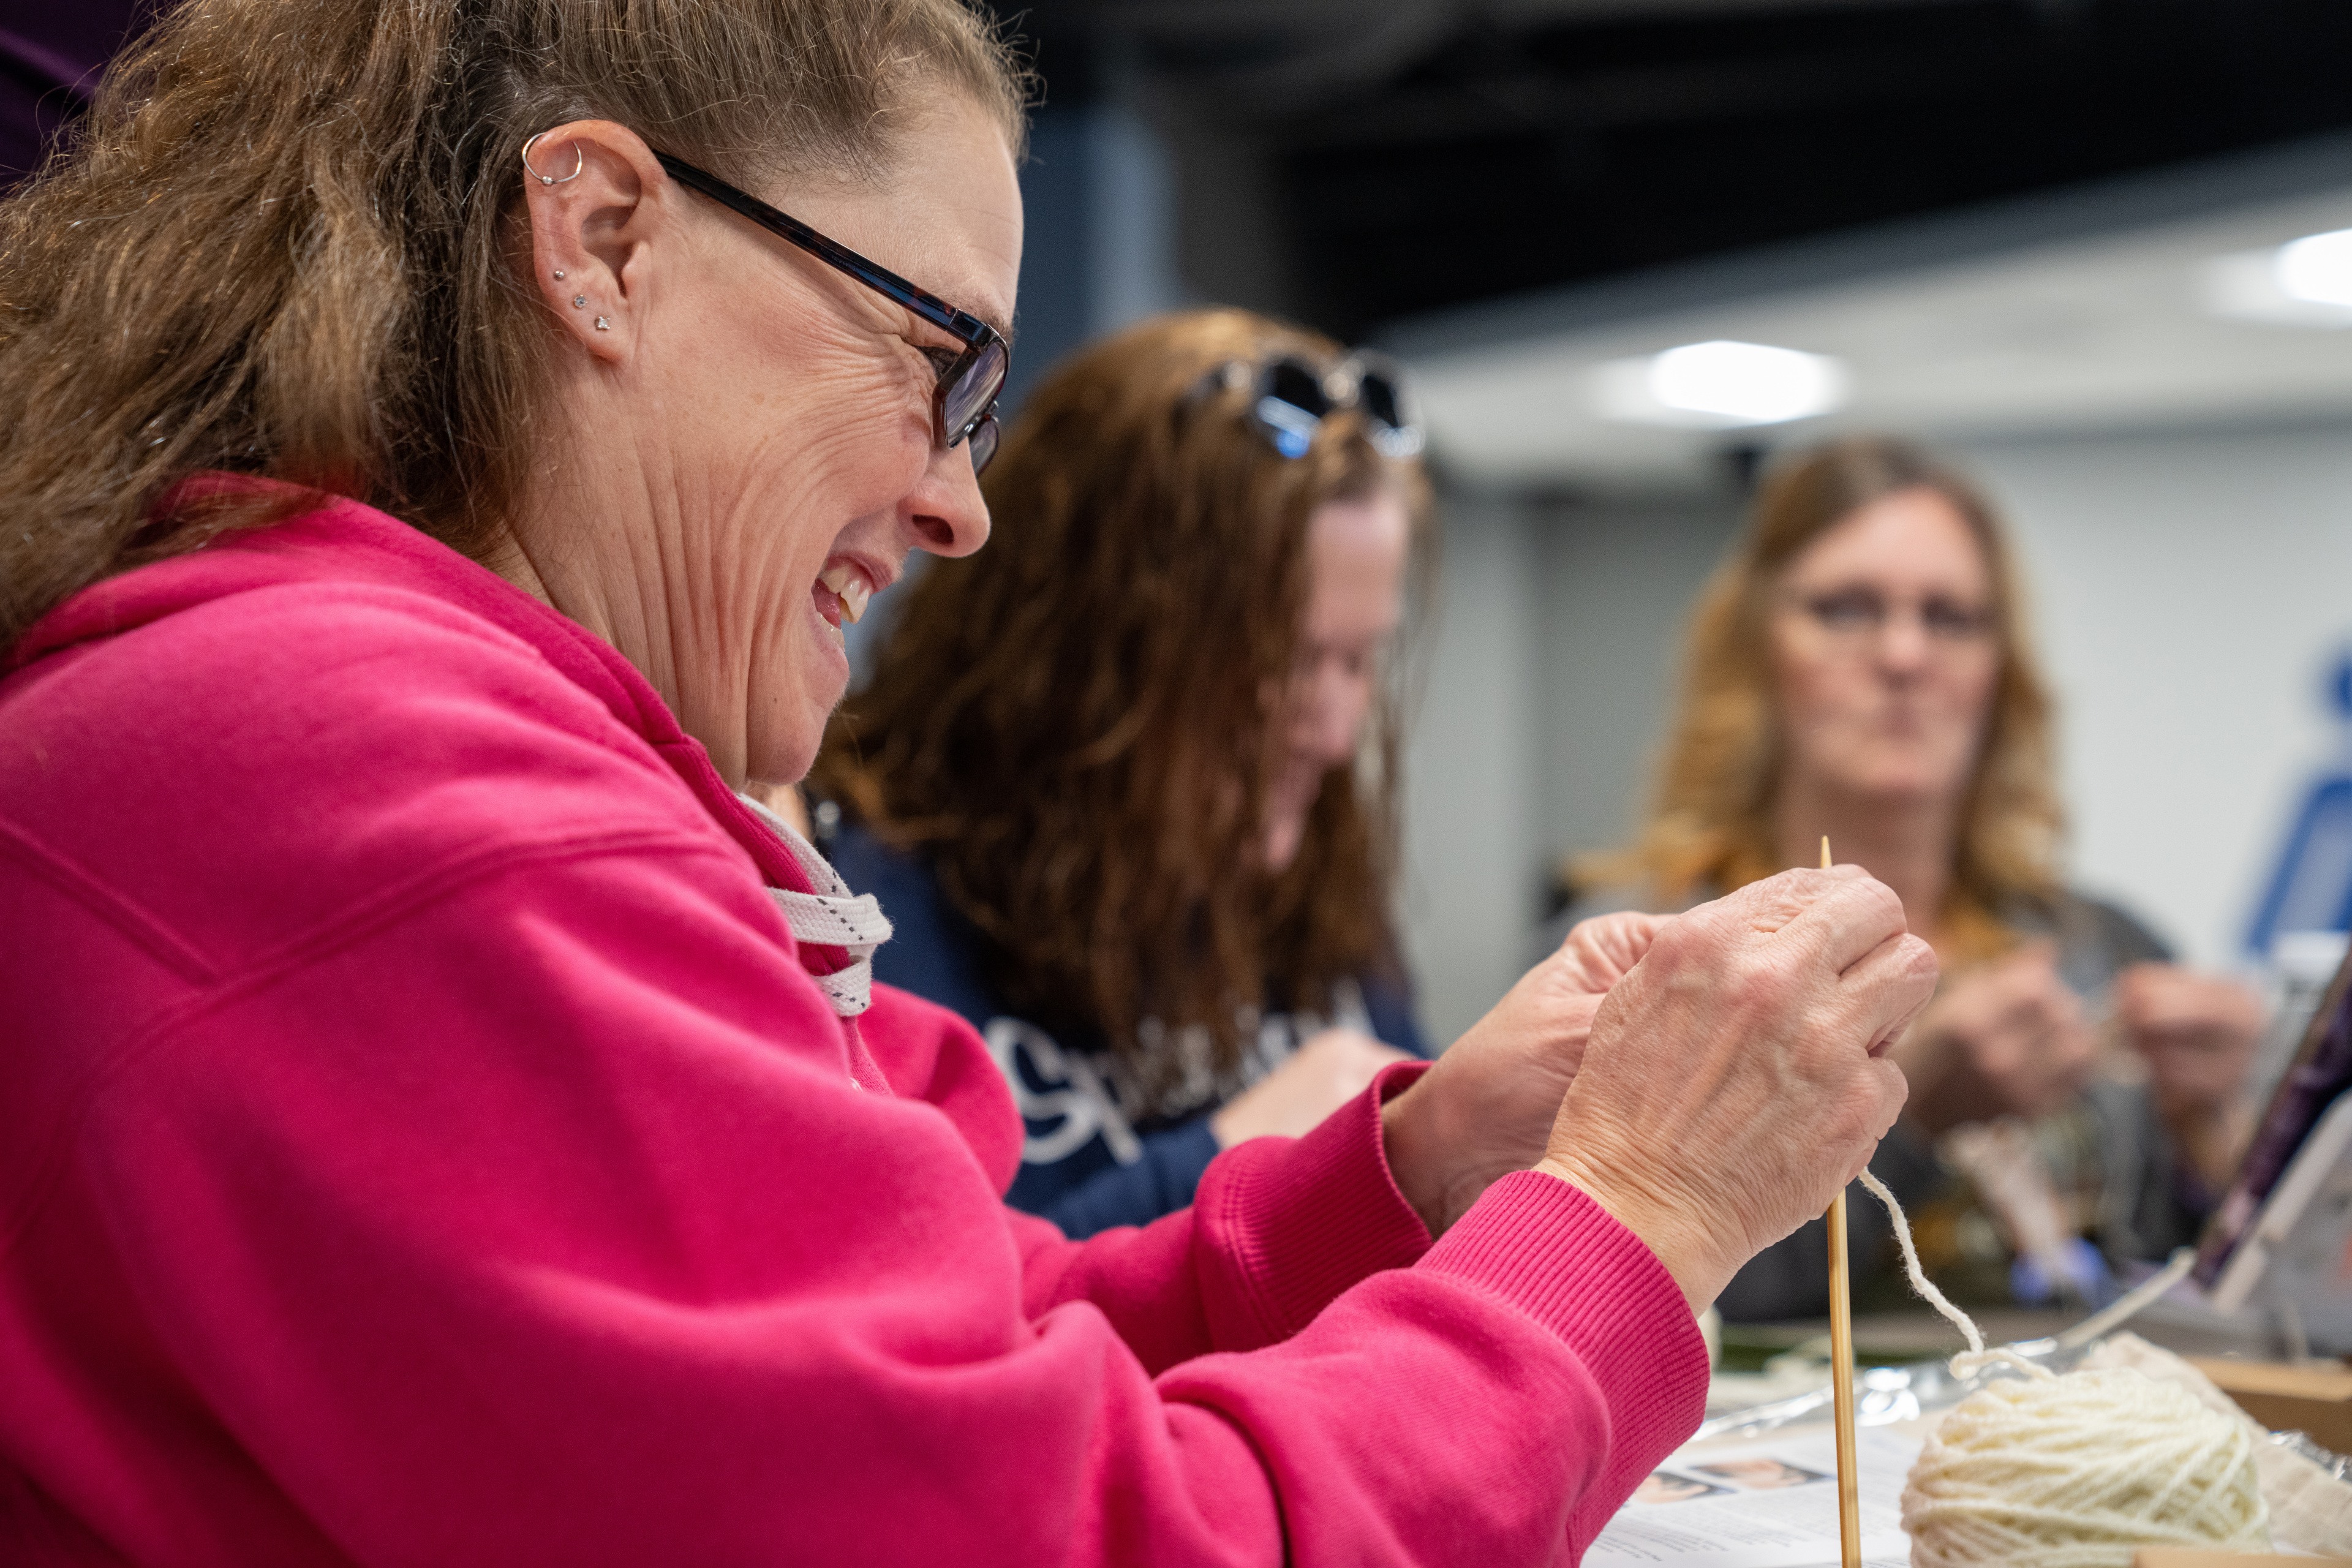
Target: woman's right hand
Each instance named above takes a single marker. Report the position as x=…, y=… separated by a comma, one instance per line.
x=1736, y=1080
x=2007, y=1040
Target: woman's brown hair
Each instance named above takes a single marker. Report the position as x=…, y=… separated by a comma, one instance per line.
x=283, y=242
x=1712, y=827
x=1075, y=724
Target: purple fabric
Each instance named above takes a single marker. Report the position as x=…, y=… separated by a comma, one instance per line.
x=51, y=56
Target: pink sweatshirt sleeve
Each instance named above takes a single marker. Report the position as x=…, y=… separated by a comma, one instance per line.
x=486, y=1183
x=484, y=1260
x=1280, y=1228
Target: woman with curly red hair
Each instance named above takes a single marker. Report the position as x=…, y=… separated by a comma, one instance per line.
x=1126, y=780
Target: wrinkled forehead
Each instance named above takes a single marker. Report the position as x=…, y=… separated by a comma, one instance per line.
x=943, y=213
x=955, y=212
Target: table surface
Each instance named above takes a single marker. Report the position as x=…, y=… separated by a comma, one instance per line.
x=1912, y=1336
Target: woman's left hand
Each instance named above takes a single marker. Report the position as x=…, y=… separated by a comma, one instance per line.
x=1486, y=1108
x=1331, y=1070
x=2196, y=1033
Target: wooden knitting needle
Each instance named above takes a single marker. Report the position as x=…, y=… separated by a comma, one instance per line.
x=1849, y=1479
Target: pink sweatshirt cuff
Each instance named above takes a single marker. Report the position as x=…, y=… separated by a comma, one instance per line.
x=1549, y=1249
x=1305, y=1218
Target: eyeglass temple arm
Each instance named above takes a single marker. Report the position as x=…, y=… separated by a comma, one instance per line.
x=931, y=307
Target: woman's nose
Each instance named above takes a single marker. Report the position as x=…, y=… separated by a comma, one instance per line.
x=1333, y=717
x=950, y=514
x=1903, y=642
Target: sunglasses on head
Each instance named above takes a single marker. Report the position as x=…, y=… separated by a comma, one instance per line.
x=1290, y=397
x=963, y=405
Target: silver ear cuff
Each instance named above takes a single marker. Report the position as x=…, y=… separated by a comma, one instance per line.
x=579, y=162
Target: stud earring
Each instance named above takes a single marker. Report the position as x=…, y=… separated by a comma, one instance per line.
x=579, y=302
x=602, y=325
x=559, y=275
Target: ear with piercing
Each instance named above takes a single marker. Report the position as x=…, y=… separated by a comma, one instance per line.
x=579, y=162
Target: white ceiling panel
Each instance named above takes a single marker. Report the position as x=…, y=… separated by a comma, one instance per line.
x=2110, y=332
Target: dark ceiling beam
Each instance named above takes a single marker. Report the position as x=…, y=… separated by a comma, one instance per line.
x=1695, y=94
x=1548, y=13
x=1400, y=156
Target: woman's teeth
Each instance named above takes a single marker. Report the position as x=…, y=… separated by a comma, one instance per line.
x=849, y=585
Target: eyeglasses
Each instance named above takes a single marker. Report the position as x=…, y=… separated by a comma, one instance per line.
x=1855, y=614
x=1292, y=397
x=963, y=405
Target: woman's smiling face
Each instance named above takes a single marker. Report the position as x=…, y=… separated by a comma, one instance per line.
x=747, y=452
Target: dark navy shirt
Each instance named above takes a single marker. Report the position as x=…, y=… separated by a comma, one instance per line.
x=1093, y=1155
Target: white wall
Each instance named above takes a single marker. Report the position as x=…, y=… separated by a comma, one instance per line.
x=1614, y=585
x=1470, y=815
x=2192, y=592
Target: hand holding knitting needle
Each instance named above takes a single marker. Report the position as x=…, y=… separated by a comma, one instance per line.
x=1486, y=1108
x=1735, y=1080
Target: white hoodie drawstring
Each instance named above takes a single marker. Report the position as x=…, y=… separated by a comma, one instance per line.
x=831, y=917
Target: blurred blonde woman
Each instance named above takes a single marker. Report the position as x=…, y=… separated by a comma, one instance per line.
x=1861, y=668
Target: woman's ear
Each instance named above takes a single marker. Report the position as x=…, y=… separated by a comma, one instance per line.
x=601, y=208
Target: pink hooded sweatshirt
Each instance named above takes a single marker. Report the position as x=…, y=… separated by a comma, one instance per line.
x=422, y=1141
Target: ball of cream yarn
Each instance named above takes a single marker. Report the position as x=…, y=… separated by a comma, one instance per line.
x=2080, y=1471
x=2077, y=1471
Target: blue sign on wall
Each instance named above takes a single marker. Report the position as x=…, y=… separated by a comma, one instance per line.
x=2312, y=888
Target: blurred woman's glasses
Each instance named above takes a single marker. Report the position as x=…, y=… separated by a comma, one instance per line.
x=1854, y=615
x=1291, y=397
x=963, y=405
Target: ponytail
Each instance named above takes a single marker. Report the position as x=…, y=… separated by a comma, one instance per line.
x=283, y=243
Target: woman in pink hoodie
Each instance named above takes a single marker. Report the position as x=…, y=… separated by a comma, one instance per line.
x=444, y=1124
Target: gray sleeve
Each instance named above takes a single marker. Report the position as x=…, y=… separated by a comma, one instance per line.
x=2096, y=940
x=2147, y=1204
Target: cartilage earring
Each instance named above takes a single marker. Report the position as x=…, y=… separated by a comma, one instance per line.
x=559, y=275
x=602, y=325
x=579, y=302
x=579, y=162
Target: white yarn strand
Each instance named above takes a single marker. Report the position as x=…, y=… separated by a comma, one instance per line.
x=1976, y=1357
x=2072, y=1471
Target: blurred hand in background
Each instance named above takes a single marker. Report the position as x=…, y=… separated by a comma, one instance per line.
x=2008, y=1038
x=2196, y=1033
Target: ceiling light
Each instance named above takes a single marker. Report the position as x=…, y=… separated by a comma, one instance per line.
x=2316, y=267
x=1722, y=384
x=2306, y=282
